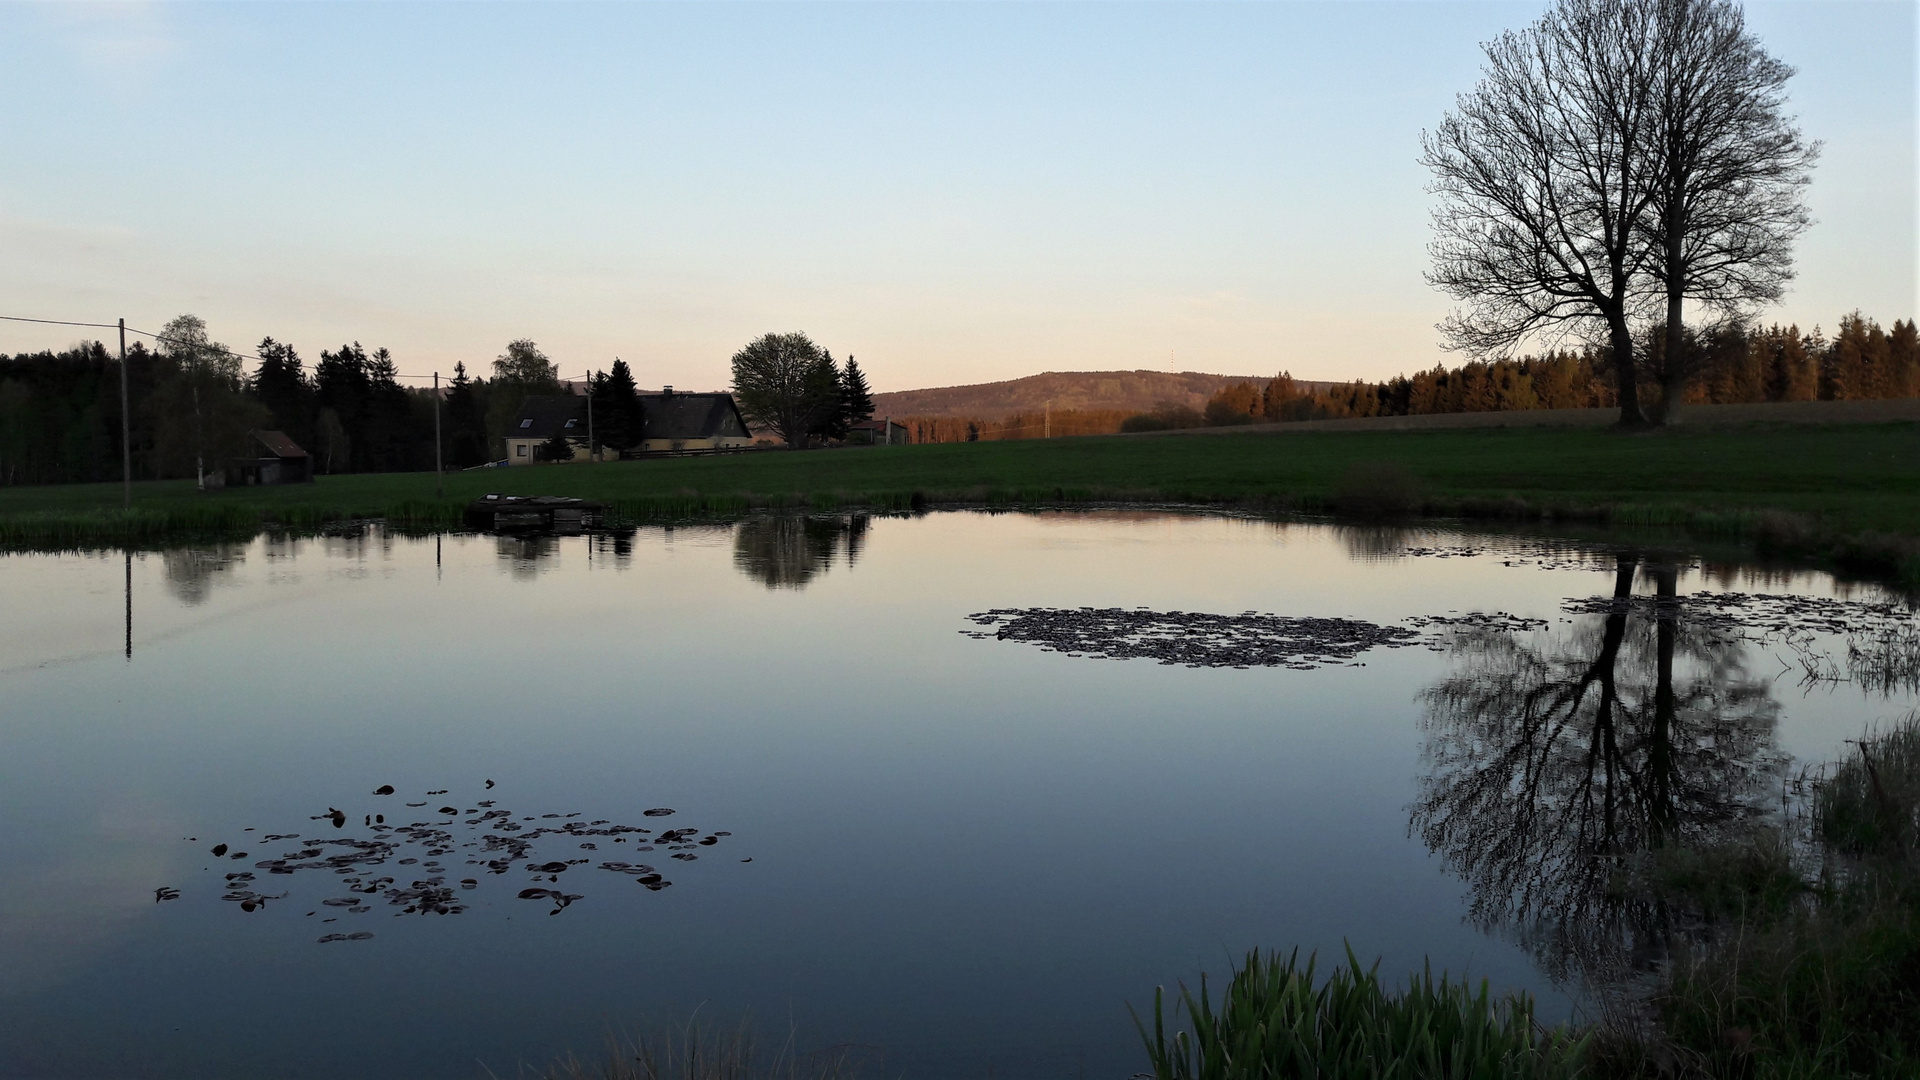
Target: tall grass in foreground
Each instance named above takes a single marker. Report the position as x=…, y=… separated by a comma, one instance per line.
x=1274, y=1020
x=1802, y=975
x=1829, y=986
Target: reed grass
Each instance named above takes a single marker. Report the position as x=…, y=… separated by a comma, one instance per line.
x=1868, y=808
x=1822, y=980
x=1276, y=1019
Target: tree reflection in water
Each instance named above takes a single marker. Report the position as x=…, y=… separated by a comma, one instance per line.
x=786, y=551
x=1553, y=764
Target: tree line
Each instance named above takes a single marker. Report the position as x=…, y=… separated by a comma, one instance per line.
x=193, y=407
x=1727, y=364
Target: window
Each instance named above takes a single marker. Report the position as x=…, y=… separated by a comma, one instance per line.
x=527, y=423
x=520, y=450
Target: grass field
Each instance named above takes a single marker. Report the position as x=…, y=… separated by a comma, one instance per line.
x=1833, y=482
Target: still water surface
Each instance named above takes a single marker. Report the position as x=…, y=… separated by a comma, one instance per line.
x=965, y=853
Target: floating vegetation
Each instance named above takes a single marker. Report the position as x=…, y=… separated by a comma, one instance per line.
x=1247, y=640
x=1195, y=639
x=1761, y=616
x=1499, y=622
x=484, y=835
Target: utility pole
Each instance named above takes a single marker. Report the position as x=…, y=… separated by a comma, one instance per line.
x=1046, y=432
x=593, y=448
x=126, y=470
x=439, y=474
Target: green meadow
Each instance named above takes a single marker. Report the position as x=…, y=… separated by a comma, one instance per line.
x=1840, y=493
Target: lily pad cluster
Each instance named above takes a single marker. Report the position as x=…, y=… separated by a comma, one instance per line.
x=413, y=868
x=1195, y=639
x=1761, y=616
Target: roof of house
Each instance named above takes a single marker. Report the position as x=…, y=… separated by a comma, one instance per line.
x=542, y=416
x=278, y=444
x=875, y=425
x=690, y=416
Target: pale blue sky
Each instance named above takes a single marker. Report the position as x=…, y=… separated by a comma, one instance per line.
x=952, y=192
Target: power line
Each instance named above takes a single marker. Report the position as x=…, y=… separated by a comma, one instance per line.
x=61, y=322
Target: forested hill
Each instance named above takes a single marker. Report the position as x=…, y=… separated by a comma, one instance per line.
x=1128, y=391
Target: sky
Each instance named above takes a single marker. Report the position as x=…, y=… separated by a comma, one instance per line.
x=952, y=193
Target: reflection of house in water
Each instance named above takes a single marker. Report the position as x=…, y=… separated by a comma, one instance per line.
x=786, y=551
x=1554, y=764
x=191, y=573
x=526, y=555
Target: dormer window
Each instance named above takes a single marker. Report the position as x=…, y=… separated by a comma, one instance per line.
x=527, y=423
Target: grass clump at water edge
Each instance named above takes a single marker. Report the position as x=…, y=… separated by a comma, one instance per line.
x=1274, y=1021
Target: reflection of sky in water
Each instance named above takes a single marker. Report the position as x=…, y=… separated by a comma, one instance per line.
x=972, y=853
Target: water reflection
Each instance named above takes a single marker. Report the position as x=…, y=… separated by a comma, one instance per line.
x=527, y=554
x=1554, y=762
x=788, y=551
x=191, y=573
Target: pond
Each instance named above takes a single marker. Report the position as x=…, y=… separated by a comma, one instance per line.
x=955, y=789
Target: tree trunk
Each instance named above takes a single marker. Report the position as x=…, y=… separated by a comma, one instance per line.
x=1661, y=818
x=199, y=444
x=1625, y=373
x=1673, y=377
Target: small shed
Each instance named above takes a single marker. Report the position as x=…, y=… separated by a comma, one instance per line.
x=877, y=433
x=277, y=460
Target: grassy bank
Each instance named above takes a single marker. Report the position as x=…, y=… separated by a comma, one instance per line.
x=1803, y=974
x=1846, y=493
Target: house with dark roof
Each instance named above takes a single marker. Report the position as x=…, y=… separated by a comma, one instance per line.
x=670, y=422
x=541, y=417
x=679, y=422
x=275, y=459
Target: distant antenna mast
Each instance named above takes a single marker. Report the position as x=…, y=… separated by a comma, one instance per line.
x=1171, y=370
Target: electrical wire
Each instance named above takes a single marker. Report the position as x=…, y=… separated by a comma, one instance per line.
x=60, y=322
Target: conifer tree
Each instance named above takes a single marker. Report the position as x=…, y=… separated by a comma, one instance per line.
x=617, y=415
x=466, y=422
x=857, y=400
x=280, y=383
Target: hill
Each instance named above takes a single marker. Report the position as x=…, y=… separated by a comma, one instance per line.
x=1130, y=391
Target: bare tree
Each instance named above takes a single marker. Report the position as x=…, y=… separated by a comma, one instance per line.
x=1726, y=197
x=1543, y=173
